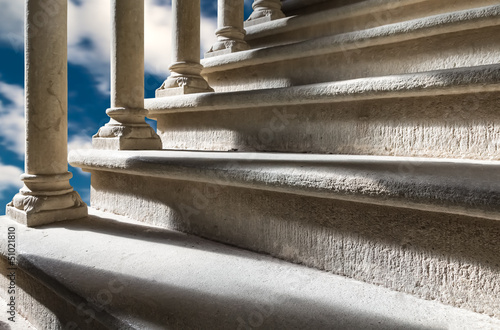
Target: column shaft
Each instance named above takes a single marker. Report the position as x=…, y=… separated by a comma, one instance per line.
x=127, y=129
x=127, y=54
x=185, y=71
x=230, y=32
x=47, y=195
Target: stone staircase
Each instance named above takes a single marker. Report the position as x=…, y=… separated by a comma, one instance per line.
x=125, y=275
x=361, y=139
x=358, y=138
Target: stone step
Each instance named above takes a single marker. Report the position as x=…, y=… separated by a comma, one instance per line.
x=445, y=113
x=108, y=272
x=446, y=41
x=333, y=17
x=425, y=227
x=453, y=186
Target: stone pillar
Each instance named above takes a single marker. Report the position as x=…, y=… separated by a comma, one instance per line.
x=127, y=128
x=185, y=72
x=230, y=32
x=47, y=195
x=264, y=11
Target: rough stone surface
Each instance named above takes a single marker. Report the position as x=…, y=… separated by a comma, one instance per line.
x=151, y=278
x=449, y=258
x=338, y=17
x=451, y=186
x=449, y=113
x=262, y=203
x=20, y=322
x=462, y=40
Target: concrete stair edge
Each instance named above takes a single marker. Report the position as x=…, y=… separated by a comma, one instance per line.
x=170, y=279
x=439, y=82
x=439, y=185
x=392, y=33
x=295, y=22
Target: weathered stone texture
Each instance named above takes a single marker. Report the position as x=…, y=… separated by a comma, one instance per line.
x=452, y=259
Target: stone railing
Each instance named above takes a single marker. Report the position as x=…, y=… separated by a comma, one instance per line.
x=47, y=195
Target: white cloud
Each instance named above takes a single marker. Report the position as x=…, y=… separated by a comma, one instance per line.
x=79, y=142
x=89, y=44
x=158, y=36
x=89, y=35
x=12, y=118
x=89, y=38
x=9, y=178
x=11, y=23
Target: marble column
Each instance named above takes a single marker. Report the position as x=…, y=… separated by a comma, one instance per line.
x=47, y=195
x=185, y=72
x=127, y=128
x=264, y=11
x=230, y=32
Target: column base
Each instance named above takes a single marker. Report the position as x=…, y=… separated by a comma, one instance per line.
x=264, y=11
x=32, y=211
x=263, y=19
x=180, y=85
x=174, y=91
x=231, y=39
x=123, y=143
x=116, y=135
x=226, y=47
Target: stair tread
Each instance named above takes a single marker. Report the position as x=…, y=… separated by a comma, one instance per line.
x=483, y=78
x=391, y=33
x=296, y=22
x=148, y=277
x=442, y=185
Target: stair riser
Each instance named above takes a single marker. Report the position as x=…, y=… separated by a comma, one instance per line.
x=461, y=126
x=353, y=18
x=43, y=307
x=351, y=61
x=453, y=259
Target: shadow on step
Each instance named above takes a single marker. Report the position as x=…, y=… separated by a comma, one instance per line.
x=144, y=233
x=154, y=302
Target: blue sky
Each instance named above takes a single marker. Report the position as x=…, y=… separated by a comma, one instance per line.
x=88, y=76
